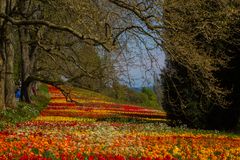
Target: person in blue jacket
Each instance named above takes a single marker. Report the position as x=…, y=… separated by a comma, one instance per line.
x=18, y=94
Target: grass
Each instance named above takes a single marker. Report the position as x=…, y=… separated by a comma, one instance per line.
x=24, y=111
x=91, y=94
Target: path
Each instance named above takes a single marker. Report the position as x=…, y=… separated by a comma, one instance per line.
x=67, y=131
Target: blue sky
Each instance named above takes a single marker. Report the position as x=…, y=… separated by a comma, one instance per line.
x=145, y=78
x=142, y=64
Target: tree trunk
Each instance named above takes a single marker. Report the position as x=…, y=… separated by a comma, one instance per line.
x=25, y=62
x=10, y=99
x=2, y=59
x=2, y=74
x=25, y=90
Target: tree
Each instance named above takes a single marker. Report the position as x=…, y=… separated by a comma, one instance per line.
x=7, y=58
x=107, y=24
x=201, y=40
x=29, y=17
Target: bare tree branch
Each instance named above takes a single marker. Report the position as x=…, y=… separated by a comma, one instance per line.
x=57, y=27
x=138, y=13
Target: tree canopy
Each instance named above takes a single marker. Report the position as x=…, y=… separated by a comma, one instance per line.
x=200, y=80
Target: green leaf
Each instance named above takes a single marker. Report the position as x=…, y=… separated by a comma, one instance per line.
x=48, y=154
x=35, y=150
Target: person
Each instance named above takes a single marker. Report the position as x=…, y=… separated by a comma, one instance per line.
x=18, y=94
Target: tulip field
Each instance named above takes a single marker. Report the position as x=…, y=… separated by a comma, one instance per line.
x=97, y=129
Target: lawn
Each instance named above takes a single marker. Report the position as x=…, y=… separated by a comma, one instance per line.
x=97, y=128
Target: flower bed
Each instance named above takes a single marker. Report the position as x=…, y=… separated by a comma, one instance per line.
x=67, y=131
